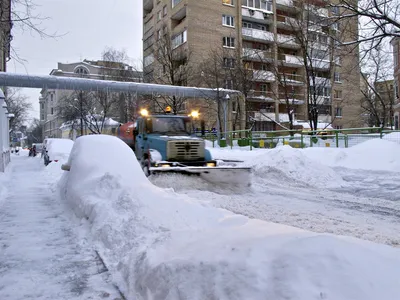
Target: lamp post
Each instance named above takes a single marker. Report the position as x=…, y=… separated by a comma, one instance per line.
x=226, y=99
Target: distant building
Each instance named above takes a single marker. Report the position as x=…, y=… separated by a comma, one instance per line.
x=396, y=58
x=385, y=89
x=50, y=99
x=5, y=33
x=265, y=39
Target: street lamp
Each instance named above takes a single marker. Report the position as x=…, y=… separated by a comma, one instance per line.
x=226, y=99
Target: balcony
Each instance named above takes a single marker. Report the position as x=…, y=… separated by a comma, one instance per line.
x=267, y=36
x=268, y=97
x=257, y=34
x=180, y=14
x=320, y=81
x=287, y=22
x=148, y=5
x=291, y=79
x=263, y=76
x=287, y=40
x=256, y=54
x=269, y=116
x=292, y=60
x=253, y=14
x=321, y=64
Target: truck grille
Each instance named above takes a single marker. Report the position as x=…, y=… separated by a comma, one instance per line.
x=185, y=150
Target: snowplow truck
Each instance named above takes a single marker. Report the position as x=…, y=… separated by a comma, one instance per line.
x=167, y=144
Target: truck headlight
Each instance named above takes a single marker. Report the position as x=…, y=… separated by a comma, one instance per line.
x=210, y=164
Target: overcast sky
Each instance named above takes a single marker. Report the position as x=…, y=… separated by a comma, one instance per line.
x=87, y=26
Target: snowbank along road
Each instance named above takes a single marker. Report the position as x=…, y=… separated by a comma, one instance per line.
x=41, y=256
x=291, y=189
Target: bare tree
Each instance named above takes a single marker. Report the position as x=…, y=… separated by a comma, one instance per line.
x=175, y=68
x=379, y=19
x=378, y=94
x=116, y=67
x=34, y=132
x=18, y=105
x=22, y=14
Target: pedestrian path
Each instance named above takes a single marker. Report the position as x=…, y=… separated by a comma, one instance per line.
x=42, y=255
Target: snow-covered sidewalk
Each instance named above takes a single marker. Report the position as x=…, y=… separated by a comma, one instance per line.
x=41, y=257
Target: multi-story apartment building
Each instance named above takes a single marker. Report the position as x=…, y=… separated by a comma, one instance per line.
x=51, y=99
x=385, y=105
x=5, y=33
x=396, y=59
x=290, y=48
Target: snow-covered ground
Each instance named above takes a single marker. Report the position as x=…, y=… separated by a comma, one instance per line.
x=160, y=244
x=351, y=192
x=177, y=243
x=42, y=256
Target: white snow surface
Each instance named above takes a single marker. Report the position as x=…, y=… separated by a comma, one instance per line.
x=292, y=165
x=374, y=154
x=42, y=256
x=59, y=149
x=393, y=136
x=163, y=245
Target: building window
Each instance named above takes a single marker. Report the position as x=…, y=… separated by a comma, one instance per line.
x=42, y=105
x=229, y=84
x=51, y=97
x=159, y=15
x=335, y=10
x=42, y=117
x=228, y=2
x=396, y=53
x=81, y=70
x=338, y=112
x=229, y=62
x=228, y=20
x=228, y=42
x=52, y=110
x=179, y=39
x=164, y=10
x=263, y=88
x=337, y=77
x=148, y=60
x=175, y=2
x=396, y=90
x=337, y=94
x=323, y=39
x=338, y=127
x=247, y=25
x=159, y=34
x=258, y=4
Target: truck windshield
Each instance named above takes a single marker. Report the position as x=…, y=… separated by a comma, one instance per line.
x=171, y=125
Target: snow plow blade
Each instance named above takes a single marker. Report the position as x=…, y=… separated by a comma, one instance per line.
x=239, y=176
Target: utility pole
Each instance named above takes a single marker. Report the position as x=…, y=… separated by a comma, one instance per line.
x=275, y=53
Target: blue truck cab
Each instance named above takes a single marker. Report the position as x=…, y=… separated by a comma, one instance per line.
x=168, y=141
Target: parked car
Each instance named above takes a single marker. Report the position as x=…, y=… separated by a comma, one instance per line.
x=57, y=150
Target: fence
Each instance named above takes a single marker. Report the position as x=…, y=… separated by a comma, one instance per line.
x=343, y=138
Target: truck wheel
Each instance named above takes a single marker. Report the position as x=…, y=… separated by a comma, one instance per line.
x=145, y=167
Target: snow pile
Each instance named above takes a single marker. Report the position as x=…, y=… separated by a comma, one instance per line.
x=393, y=137
x=4, y=177
x=375, y=154
x=161, y=245
x=292, y=166
x=59, y=149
